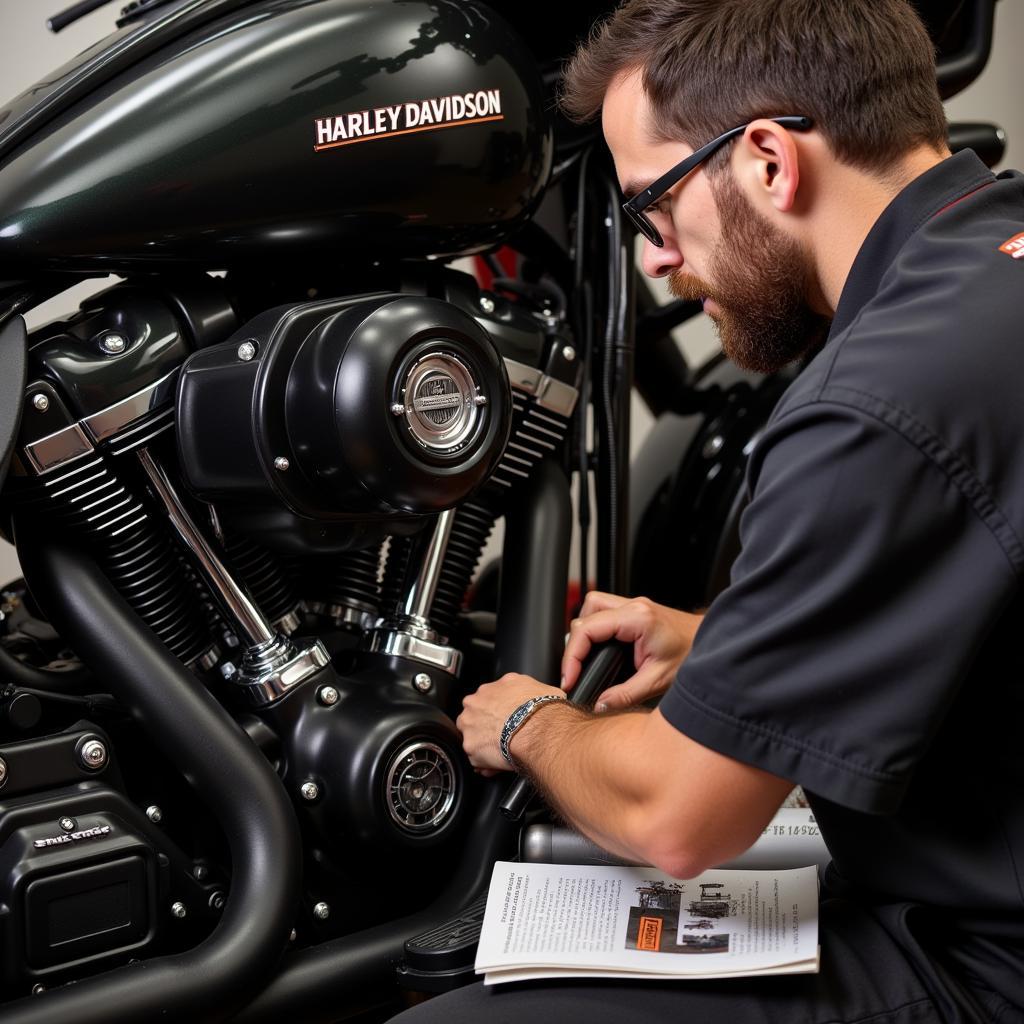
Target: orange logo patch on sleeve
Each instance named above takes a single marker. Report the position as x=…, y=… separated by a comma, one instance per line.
x=1014, y=246
x=649, y=935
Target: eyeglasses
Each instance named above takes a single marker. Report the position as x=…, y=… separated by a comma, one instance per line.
x=634, y=208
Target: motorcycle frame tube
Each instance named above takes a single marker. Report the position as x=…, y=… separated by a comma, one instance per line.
x=534, y=575
x=235, y=780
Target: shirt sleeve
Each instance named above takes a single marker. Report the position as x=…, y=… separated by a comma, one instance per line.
x=866, y=581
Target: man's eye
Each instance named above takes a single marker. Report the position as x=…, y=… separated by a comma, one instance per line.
x=659, y=206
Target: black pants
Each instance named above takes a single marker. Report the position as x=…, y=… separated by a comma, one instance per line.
x=865, y=978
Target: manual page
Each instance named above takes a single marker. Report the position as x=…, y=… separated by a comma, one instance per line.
x=559, y=920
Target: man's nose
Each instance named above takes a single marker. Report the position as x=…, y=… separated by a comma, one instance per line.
x=661, y=261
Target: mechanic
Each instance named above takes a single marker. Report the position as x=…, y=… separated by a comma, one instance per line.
x=868, y=647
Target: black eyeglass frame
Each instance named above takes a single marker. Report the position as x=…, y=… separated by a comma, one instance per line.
x=634, y=208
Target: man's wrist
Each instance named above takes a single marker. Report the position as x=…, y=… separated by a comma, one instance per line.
x=519, y=717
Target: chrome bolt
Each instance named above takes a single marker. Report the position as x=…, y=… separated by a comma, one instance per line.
x=37, y=989
x=3, y=771
x=217, y=900
x=309, y=791
x=154, y=814
x=422, y=682
x=397, y=409
x=93, y=754
x=281, y=463
x=67, y=824
x=293, y=935
x=246, y=351
x=328, y=696
x=229, y=670
x=178, y=910
x=322, y=911
x=199, y=872
x=713, y=446
x=487, y=303
x=40, y=403
x=480, y=400
x=568, y=353
x=113, y=343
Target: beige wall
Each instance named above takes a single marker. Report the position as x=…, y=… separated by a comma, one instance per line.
x=28, y=52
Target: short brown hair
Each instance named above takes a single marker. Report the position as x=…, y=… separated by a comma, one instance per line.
x=864, y=70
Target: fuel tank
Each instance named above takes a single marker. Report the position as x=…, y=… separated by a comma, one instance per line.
x=304, y=130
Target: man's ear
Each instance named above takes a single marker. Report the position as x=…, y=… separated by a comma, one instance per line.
x=768, y=162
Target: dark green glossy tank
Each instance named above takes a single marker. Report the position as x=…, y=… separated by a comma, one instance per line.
x=303, y=130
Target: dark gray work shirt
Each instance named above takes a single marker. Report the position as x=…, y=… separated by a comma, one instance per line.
x=871, y=644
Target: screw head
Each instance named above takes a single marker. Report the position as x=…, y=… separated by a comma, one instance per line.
x=479, y=399
x=3, y=771
x=293, y=935
x=328, y=696
x=154, y=814
x=217, y=900
x=68, y=824
x=93, y=754
x=38, y=988
x=178, y=910
x=713, y=446
x=322, y=911
x=113, y=343
x=310, y=790
x=40, y=402
x=246, y=351
x=568, y=353
x=228, y=670
x=199, y=872
x=487, y=303
x=397, y=409
x=422, y=682
x=281, y=464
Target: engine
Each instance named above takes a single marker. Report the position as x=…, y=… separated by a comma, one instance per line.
x=296, y=505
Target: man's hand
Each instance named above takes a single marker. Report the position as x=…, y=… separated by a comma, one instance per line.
x=661, y=639
x=484, y=714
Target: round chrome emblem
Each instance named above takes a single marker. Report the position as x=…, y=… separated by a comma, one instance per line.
x=439, y=400
x=420, y=787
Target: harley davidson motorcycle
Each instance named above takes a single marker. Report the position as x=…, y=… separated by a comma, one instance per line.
x=250, y=485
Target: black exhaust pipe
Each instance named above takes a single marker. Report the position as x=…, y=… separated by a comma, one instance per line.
x=221, y=974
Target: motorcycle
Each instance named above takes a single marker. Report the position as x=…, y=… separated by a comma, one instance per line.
x=251, y=484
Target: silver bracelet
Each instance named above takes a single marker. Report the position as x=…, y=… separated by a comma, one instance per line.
x=516, y=719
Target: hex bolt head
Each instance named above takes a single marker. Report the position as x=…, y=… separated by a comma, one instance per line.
x=154, y=814
x=568, y=353
x=422, y=682
x=199, y=872
x=38, y=989
x=228, y=670
x=68, y=824
x=281, y=464
x=93, y=754
x=310, y=791
x=480, y=400
x=40, y=403
x=487, y=303
x=113, y=343
x=328, y=696
x=322, y=911
x=217, y=901
x=293, y=935
x=397, y=409
x=179, y=910
x=3, y=771
x=246, y=351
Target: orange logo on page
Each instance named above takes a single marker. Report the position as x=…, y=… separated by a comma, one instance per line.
x=649, y=934
x=1014, y=247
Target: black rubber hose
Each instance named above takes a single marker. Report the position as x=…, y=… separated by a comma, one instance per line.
x=236, y=782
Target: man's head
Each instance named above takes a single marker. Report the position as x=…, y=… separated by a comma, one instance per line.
x=744, y=230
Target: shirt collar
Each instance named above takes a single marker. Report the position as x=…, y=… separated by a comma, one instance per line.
x=927, y=195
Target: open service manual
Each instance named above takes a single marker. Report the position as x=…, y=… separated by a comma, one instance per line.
x=565, y=921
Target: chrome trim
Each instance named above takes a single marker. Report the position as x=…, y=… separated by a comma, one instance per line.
x=280, y=674
x=107, y=422
x=54, y=450
x=413, y=806
x=396, y=644
x=421, y=594
x=551, y=394
x=249, y=618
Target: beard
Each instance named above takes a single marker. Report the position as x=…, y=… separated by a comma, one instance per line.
x=762, y=278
